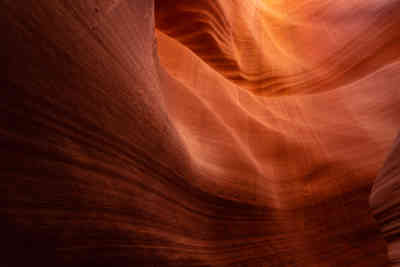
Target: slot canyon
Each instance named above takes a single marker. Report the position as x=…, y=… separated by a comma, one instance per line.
x=207, y=133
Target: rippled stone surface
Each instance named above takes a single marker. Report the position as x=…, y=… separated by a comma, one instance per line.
x=199, y=133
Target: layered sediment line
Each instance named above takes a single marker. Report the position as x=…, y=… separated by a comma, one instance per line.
x=198, y=133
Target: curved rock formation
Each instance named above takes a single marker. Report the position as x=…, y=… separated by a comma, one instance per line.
x=384, y=201
x=136, y=133
x=286, y=47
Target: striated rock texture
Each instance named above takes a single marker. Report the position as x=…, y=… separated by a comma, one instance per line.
x=277, y=47
x=199, y=133
x=384, y=201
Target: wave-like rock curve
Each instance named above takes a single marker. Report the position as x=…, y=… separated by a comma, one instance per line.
x=139, y=133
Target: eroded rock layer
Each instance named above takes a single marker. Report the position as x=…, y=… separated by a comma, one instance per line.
x=384, y=201
x=286, y=47
x=136, y=133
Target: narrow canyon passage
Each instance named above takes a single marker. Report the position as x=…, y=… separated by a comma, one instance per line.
x=199, y=133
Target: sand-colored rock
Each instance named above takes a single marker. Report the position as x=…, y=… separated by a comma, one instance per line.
x=198, y=133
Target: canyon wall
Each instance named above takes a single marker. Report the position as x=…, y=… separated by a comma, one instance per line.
x=199, y=133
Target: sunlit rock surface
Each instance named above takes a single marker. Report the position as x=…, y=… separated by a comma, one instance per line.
x=199, y=133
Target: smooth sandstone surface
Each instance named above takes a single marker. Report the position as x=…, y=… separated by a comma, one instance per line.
x=199, y=133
